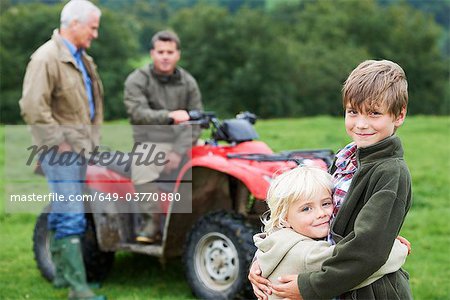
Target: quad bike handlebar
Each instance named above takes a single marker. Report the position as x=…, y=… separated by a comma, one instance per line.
x=206, y=117
x=237, y=130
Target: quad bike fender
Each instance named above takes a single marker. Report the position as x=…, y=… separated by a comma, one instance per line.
x=255, y=179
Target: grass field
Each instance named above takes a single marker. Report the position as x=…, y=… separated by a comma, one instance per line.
x=427, y=148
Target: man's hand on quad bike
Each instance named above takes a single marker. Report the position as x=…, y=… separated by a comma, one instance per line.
x=64, y=147
x=179, y=116
x=260, y=284
x=173, y=161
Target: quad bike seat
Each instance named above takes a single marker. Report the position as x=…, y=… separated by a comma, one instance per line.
x=236, y=131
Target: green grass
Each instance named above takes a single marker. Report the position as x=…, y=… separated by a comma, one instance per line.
x=427, y=148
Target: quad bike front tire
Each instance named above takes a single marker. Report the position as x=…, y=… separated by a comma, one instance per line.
x=97, y=263
x=218, y=254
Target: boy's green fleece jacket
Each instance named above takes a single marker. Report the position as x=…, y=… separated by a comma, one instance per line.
x=365, y=228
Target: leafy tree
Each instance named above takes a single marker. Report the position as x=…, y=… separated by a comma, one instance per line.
x=23, y=29
x=26, y=27
x=439, y=9
x=4, y=5
x=205, y=52
x=149, y=16
x=237, y=59
x=413, y=43
x=334, y=36
x=321, y=50
x=261, y=78
x=235, y=5
x=116, y=46
x=289, y=59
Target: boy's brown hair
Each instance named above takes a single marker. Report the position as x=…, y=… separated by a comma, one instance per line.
x=374, y=84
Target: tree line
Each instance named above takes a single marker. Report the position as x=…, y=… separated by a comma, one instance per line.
x=283, y=60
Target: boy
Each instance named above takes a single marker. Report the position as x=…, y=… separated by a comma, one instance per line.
x=300, y=207
x=372, y=194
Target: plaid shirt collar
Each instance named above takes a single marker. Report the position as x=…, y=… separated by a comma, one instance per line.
x=346, y=165
x=346, y=159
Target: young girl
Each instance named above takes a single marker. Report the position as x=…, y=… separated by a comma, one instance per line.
x=300, y=206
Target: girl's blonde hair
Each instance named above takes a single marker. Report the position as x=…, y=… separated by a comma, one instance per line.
x=301, y=183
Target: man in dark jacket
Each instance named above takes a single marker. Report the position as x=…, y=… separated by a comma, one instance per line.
x=159, y=94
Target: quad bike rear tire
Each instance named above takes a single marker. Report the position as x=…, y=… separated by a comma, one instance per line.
x=97, y=263
x=218, y=254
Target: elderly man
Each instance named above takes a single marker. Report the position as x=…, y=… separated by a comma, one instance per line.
x=62, y=100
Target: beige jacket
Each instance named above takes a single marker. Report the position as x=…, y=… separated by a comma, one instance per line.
x=54, y=98
x=286, y=252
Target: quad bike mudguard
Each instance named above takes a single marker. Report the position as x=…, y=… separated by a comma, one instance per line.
x=255, y=178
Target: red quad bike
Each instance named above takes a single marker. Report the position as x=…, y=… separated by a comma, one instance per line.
x=229, y=181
